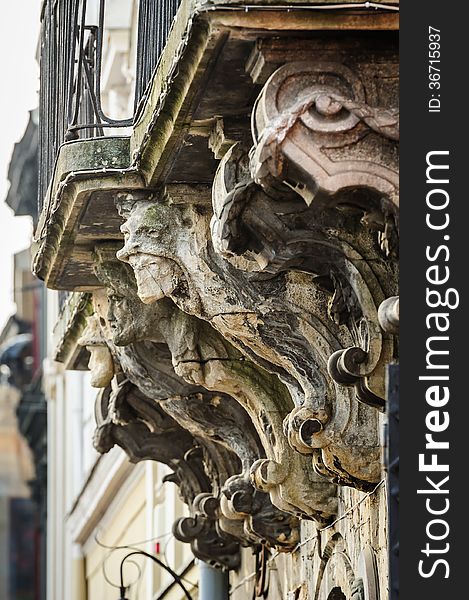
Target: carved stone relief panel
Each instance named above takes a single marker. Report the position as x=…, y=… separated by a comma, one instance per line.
x=338, y=579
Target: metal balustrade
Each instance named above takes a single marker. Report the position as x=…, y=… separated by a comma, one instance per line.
x=154, y=24
x=72, y=45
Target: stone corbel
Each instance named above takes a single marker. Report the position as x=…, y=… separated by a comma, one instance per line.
x=319, y=182
x=201, y=530
x=126, y=417
x=256, y=314
x=322, y=159
x=214, y=419
x=272, y=234
x=316, y=131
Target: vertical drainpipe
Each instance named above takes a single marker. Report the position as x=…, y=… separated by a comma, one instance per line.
x=213, y=583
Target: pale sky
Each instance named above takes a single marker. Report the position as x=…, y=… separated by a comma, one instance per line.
x=19, y=31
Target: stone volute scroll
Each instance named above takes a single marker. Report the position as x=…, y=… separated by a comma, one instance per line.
x=318, y=193
x=322, y=128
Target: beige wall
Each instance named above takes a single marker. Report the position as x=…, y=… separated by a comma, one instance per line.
x=25, y=285
x=143, y=509
x=123, y=524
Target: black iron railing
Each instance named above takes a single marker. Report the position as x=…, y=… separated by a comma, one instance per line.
x=154, y=23
x=70, y=72
x=58, y=29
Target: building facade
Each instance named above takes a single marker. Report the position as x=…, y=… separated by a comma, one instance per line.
x=23, y=418
x=218, y=192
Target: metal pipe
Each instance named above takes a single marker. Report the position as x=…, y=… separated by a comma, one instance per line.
x=213, y=583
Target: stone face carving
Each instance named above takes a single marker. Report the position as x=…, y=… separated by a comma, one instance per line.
x=264, y=318
x=215, y=420
x=100, y=364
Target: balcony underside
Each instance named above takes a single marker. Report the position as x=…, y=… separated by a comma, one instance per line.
x=214, y=65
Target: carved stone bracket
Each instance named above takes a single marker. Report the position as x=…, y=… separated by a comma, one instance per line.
x=126, y=417
x=167, y=246
x=215, y=420
x=316, y=131
x=316, y=140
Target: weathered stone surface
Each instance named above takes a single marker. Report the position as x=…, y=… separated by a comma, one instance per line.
x=83, y=169
x=137, y=424
x=166, y=244
x=297, y=204
x=263, y=322
x=214, y=419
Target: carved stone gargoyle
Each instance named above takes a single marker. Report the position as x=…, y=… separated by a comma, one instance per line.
x=280, y=323
x=215, y=420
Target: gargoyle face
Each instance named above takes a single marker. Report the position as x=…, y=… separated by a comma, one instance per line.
x=121, y=320
x=149, y=235
x=132, y=321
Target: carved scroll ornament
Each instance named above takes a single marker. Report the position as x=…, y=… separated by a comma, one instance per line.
x=217, y=422
x=261, y=317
